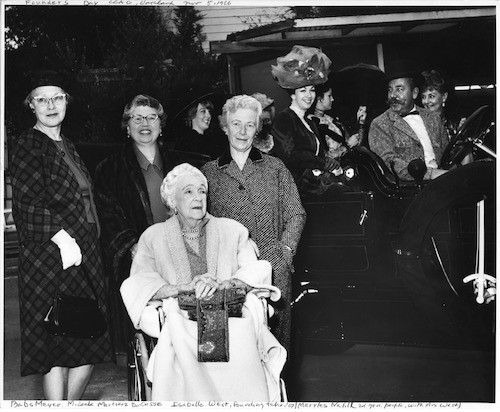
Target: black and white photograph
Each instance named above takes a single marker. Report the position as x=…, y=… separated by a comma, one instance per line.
x=260, y=205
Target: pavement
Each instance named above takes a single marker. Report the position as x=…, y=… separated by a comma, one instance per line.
x=108, y=382
x=364, y=373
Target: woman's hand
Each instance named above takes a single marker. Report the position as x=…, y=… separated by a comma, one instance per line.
x=331, y=164
x=70, y=251
x=205, y=285
x=353, y=140
x=232, y=283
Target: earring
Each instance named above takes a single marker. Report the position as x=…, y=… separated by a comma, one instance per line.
x=175, y=211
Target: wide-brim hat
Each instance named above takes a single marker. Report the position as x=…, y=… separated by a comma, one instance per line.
x=303, y=66
x=216, y=98
x=403, y=69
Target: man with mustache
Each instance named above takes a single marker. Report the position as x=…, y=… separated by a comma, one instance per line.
x=406, y=131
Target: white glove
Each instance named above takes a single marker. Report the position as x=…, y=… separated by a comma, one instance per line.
x=69, y=249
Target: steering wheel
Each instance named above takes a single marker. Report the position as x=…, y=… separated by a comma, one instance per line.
x=474, y=129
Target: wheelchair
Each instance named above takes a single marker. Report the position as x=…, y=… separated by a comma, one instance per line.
x=143, y=342
x=140, y=347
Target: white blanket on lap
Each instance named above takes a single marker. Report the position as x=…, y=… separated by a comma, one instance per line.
x=256, y=359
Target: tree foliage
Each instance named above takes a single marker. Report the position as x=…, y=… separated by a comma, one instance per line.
x=45, y=29
x=111, y=54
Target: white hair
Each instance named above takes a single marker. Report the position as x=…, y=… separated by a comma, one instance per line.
x=241, y=101
x=170, y=181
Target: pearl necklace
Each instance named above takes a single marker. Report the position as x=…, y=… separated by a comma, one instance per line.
x=191, y=234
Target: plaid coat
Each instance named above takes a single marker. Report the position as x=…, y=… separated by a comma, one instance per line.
x=46, y=198
x=392, y=138
x=264, y=198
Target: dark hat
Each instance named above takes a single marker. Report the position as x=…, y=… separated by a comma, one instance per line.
x=47, y=77
x=303, y=66
x=192, y=98
x=403, y=68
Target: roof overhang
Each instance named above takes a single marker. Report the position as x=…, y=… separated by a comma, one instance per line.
x=349, y=28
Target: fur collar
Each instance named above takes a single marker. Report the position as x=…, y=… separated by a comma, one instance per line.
x=264, y=143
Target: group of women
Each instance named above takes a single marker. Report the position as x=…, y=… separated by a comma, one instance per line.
x=165, y=227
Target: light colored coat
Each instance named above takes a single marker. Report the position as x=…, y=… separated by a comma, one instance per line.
x=161, y=259
x=256, y=357
x=392, y=138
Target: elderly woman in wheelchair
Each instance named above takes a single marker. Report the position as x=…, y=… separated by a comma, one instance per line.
x=214, y=343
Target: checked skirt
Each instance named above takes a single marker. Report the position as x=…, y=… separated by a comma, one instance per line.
x=40, y=273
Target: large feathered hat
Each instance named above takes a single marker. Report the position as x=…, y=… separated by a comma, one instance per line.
x=303, y=66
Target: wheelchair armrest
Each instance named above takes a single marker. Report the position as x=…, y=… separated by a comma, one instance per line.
x=152, y=318
x=261, y=293
x=155, y=303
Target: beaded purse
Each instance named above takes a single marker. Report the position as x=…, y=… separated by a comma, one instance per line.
x=211, y=314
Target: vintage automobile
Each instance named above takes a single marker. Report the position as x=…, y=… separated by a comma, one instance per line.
x=398, y=262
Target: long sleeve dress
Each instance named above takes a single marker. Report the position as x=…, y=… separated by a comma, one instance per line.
x=298, y=147
x=303, y=150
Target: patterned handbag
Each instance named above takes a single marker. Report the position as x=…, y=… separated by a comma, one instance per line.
x=211, y=314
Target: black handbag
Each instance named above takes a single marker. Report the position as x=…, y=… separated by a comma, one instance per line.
x=76, y=317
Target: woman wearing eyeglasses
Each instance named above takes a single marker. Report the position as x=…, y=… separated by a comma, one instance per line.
x=128, y=200
x=58, y=231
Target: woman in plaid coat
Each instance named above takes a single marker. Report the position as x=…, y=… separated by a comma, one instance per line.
x=58, y=238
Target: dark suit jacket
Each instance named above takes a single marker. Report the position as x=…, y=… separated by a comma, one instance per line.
x=392, y=138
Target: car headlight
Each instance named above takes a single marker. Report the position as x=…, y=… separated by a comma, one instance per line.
x=349, y=172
